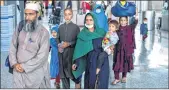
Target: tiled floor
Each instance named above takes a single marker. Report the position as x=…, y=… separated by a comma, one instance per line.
x=151, y=64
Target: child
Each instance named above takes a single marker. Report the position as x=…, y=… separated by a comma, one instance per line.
x=54, y=63
x=123, y=60
x=67, y=36
x=111, y=37
x=108, y=43
x=143, y=29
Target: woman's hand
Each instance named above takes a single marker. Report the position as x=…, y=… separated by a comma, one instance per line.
x=74, y=66
x=97, y=71
x=136, y=16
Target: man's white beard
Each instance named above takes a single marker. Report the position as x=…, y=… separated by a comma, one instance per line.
x=30, y=27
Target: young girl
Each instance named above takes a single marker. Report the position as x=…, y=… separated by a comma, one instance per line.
x=108, y=43
x=123, y=60
x=54, y=63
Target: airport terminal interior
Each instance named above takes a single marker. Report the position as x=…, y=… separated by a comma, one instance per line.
x=150, y=56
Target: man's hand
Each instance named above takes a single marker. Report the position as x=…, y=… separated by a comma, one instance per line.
x=65, y=44
x=74, y=67
x=18, y=68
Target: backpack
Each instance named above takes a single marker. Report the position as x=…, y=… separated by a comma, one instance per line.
x=7, y=63
x=56, y=11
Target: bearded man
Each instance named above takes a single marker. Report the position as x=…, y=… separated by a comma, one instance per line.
x=29, y=50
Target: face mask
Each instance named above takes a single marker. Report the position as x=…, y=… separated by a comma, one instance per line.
x=89, y=26
x=53, y=36
x=67, y=21
x=145, y=22
x=98, y=10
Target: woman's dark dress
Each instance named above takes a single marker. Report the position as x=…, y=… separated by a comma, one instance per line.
x=90, y=72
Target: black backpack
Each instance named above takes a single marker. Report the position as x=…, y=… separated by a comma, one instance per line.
x=7, y=64
x=56, y=12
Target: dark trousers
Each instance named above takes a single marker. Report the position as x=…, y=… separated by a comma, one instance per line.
x=144, y=37
x=116, y=74
x=66, y=82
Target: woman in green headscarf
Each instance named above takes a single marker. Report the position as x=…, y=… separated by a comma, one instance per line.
x=87, y=49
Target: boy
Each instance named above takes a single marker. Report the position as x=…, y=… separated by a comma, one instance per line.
x=67, y=36
x=144, y=29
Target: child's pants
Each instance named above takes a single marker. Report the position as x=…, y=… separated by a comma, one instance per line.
x=58, y=79
x=144, y=37
x=66, y=82
x=124, y=74
x=110, y=67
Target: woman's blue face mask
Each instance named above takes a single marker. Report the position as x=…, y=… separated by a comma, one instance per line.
x=98, y=10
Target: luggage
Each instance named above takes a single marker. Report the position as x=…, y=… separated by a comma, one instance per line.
x=129, y=9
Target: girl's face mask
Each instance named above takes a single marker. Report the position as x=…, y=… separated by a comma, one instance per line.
x=54, y=34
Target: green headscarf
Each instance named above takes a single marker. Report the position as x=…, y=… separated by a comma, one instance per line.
x=84, y=44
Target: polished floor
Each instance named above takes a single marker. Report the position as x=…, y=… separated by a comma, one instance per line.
x=150, y=64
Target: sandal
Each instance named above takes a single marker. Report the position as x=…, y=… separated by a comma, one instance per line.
x=115, y=82
x=78, y=86
x=124, y=80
